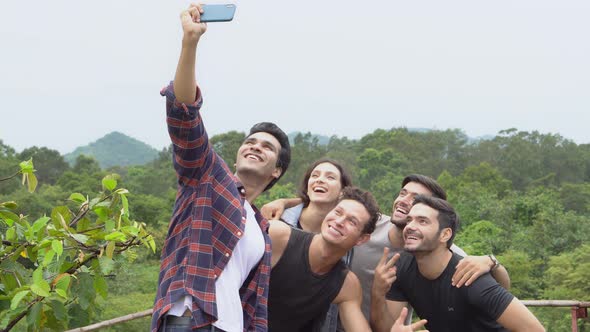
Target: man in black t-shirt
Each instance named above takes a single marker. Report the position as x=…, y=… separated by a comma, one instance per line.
x=423, y=279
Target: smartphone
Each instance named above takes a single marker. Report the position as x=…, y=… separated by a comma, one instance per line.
x=218, y=13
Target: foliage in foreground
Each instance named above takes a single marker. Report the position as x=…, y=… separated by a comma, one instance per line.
x=53, y=268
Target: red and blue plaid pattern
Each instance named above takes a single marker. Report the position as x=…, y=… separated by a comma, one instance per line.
x=207, y=222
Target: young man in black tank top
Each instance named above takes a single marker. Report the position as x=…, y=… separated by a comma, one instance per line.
x=307, y=271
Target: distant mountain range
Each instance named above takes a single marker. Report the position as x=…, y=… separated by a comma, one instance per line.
x=115, y=149
x=118, y=149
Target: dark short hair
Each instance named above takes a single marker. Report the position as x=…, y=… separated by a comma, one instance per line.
x=368, y=201
x=345, y=178
x=284, y=157
x=428, y=182
x=447, y=217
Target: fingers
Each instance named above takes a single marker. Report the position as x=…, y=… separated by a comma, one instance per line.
x=383, y=257
x=393, y=260
x=473, y=277
x=463, y=277
x=418, y=325
x=402, y=315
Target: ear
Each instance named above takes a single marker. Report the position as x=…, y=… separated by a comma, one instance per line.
x=277, y=172
x=364, y=238
x=445, y=235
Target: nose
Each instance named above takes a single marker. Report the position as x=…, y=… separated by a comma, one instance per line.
x=408, y=199
x=410, y=225
x=255, y=146
x=340, y=221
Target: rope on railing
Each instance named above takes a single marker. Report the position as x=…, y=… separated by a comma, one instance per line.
x=113, y=321
x=528, y=303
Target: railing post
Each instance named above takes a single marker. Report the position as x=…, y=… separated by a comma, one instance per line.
x=574, y=319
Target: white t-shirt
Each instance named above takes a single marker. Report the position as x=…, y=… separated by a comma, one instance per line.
x=245, y=257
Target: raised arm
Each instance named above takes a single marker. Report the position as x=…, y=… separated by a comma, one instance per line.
x=185, y=83
x=383, y=312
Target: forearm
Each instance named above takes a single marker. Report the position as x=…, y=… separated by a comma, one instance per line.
x=502, y=277
x=185, y=82
x=381, y=320
x=291, y=202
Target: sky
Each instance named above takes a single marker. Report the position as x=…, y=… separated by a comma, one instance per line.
x=72, y=71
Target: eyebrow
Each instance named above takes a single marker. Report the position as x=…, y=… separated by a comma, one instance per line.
x=263, y=142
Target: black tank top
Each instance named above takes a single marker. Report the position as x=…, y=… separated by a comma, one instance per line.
x=299, y=298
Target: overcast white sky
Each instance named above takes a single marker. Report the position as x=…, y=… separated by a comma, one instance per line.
x=73, y=70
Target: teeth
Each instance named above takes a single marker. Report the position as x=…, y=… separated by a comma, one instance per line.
x=335, y=230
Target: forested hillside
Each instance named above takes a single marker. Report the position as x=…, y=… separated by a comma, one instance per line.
x=523, y=196
x=115, y=149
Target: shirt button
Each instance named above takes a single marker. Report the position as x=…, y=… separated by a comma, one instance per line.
x=239, y=233
x=243, y=218
x=214, y=276
x=227, y=254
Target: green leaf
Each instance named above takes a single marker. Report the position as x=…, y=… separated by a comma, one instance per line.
x=61, y=216
x=27, y=166
x=109, y=225
x=100, y=286
x=32, y=184
x=77, y=197
x=62, y=284
x=125, y=204
x=34, y=316
x=57, y=246
x=48, y=257
x=38, y=275
x=17, y=298
x=101, y=211
x=9, y=280
x=116, y=236
x=133, y=231
x=106, y=264
x=80, y=237
x=152, y=243
x=85, y=290
x=9, y=205
x=8, y=216
x=59, y=310
x=11, y=234
x=109, y=183
x=110, y=249
x=62, y=293
x=40, y=288
x=39, y=224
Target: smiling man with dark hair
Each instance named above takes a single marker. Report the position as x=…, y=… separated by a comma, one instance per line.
x=215, y=266
x=423, y=279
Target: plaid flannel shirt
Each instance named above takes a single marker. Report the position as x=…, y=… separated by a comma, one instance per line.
x=207, y=222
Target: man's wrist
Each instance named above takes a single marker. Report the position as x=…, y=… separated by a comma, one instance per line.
x=495, y=263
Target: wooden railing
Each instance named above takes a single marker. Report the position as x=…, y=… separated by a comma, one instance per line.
x=578, y=309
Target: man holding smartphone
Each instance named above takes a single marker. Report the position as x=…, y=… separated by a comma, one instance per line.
x=215, y=264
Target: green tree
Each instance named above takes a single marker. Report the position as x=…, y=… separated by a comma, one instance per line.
x=54, y=267
x=8, y=164
x=226, y=145
x=50, y=164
